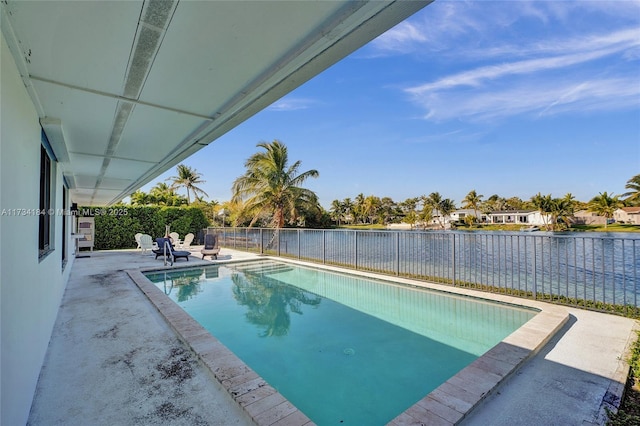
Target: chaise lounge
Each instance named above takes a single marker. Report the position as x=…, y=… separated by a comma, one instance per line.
x=160, y=251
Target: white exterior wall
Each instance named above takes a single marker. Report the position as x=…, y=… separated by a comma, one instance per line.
x=536, y=218
x=626, y=217
x=30, y=288
x=533, y=218
x=460, y=215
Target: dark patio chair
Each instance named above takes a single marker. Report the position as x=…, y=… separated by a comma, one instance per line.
x=211, y=247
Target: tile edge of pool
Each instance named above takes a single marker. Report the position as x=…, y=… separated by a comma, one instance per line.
x=449, y=403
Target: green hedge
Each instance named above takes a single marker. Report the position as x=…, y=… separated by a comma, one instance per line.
x=116, y=226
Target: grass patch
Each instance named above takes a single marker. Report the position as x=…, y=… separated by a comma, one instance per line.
x=629, y=412
x=614, y=227
x=365, y=226
x=491, y=227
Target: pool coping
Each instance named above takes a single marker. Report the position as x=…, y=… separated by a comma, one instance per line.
x=446, y=405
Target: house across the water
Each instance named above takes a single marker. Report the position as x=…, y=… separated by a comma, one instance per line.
x=516, y=217
x=627, y=215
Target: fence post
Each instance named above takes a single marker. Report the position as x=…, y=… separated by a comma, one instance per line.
x=535, y=267
x=397, y=253
x=261, y=241
x=299, y=248
x=454, y=259
x=355, y=249
x=324, y=247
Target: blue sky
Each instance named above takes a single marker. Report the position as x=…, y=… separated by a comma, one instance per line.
x=503, y=97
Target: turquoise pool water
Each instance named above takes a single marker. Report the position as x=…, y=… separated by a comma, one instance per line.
x=343, y=349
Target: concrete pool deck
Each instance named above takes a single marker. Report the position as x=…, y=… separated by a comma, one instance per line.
x=115, y=358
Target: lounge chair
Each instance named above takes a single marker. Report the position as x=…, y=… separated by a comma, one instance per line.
x=210, y=246
x=188, y=239
x=175, y=238
x=146, y=243
x=160, y=251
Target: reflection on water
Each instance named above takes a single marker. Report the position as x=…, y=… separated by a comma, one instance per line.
x=187, y=283
x=270, y=302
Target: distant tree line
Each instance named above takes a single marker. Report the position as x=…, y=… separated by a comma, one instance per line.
x=374, y=210
x=270, y=194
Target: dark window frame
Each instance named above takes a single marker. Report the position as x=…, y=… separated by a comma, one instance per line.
x=65, y=218
x=46, y=198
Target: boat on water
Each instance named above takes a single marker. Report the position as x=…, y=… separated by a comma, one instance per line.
x=529, y=229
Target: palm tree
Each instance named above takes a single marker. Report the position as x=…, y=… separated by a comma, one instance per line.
x=433, y=202
x=140, y=198
x=164, y=194
x=388, y=210
x=561, y=209
x=337, y=211
x=409, y=205
x=187, y=178
x=348, y=208
x=514, y=203
x=371, y=206
x=411, y=218
x=633, y=196
x=494, y=203
x=544, y=205
x=444, y=206
x=271, y=187
x=605, y=205
x=473, y=201
x=358, y=208
x=425, y=216
x=232, y=212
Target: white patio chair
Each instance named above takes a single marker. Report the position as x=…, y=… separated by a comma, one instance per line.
x=137, y=237
x=146, y=243
x=188, y=239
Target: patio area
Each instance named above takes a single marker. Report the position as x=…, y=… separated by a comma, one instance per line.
x=113, y=358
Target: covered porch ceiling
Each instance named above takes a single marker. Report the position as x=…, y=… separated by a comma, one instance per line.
x=125, y=90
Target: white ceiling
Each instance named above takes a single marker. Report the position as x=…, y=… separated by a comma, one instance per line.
x=127, y=89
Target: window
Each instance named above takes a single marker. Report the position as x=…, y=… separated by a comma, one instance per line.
x=65, y=218
x=46, y=216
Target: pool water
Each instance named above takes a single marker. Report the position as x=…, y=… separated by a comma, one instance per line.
x=342, y=349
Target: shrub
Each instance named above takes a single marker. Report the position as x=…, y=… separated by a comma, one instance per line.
x=116, y=226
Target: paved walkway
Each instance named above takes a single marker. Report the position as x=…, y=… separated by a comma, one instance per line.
x=113, y=360
x=571, y=381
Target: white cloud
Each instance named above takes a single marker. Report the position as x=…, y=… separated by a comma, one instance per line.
x=462, y=27
x=539, y=98
x=291, y=104
x=479, y=75
x=400, y=38
x=593, y=72
x=520, y=57
x=626, y=39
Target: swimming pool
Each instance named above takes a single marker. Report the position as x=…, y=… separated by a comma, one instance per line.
x=342, y=348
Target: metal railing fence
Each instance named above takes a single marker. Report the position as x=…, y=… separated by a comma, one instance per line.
x=599, y=272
